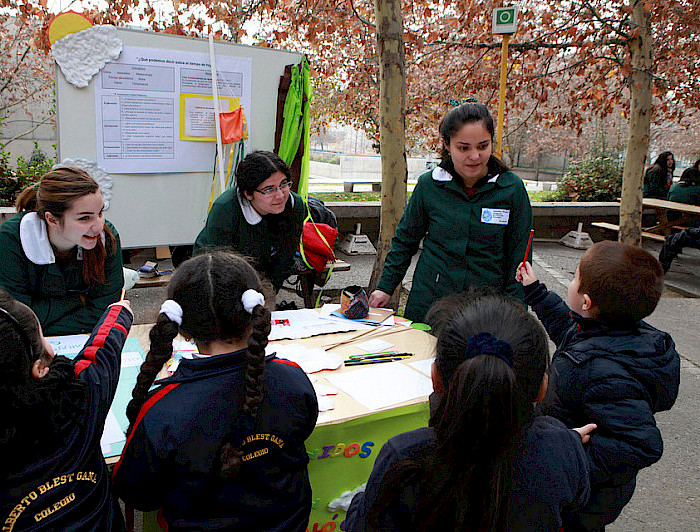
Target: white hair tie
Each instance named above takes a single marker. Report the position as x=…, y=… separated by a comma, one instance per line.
x=250, y=299
x=172, y=310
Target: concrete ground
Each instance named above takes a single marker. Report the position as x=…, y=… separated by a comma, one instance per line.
x=668, y=493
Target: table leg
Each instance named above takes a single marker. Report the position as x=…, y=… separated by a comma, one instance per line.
x=307, y=288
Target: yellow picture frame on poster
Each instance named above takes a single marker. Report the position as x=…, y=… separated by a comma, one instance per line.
x=193, y=119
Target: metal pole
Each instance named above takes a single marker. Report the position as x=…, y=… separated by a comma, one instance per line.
x=502, y=96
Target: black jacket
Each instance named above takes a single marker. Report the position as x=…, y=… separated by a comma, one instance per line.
x=170, y=461
x=615, y=378
x=551, y=476
x=66, y=486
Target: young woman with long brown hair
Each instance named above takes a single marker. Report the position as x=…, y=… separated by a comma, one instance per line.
x=59, y=255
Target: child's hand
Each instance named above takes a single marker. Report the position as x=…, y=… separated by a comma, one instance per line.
x=525, y=274
x=585, y=431
x=124, y=303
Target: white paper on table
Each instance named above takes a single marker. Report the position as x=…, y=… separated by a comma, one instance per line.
x=325, y=403
x=309, y=359
x=112, y=432
x=131, y=359
x=383, y=385
x=375, y=346
x=304, y=323
x=424, y=366
x=68, y=345
x=325, y=389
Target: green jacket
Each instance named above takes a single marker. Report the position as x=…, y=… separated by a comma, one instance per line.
x=682, y=193
x=463, y=244
x=53, y=292
x=271, y=240
x=655, y=183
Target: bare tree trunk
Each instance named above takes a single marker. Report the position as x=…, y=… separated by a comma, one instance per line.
x=640, y=120
x=392, y=117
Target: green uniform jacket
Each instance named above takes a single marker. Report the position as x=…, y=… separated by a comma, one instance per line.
x=272, y=247
x=655, y=183
x=463, y=246
x=682, y=193
x=52, y=292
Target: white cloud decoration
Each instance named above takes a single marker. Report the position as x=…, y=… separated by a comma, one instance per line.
x=98, y=174
x=83, y=54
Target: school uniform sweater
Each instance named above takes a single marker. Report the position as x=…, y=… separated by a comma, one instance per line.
x=271, y=240
x=30, y=273
x=617, y=378
x=467, y=240
x=170, y=461
x=65, y=484
x=551, y=476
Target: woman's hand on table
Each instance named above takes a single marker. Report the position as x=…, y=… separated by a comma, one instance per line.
x=379, y=299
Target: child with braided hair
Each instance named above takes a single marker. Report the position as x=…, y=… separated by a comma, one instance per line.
x=220, y=443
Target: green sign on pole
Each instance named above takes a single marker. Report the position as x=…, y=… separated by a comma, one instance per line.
x=505, y=20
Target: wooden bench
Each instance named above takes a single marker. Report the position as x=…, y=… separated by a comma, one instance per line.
x=614, y=229
x=307, y=279
x=150, y=282
x=349, y=186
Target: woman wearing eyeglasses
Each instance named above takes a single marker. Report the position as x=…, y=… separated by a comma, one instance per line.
x=260, y=217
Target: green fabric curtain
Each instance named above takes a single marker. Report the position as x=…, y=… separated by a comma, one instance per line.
x=296, y=116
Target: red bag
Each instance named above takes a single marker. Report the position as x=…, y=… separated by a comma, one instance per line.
x=317, y=245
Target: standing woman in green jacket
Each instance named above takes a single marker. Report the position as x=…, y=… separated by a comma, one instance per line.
x=260, y=217
x=471, y=212
x=59, y=255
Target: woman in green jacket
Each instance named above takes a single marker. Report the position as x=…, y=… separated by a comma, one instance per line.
x=59, y=255
x=260, y=217
x=471, y=212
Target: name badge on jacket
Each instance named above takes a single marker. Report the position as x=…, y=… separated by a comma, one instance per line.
x=495, y=216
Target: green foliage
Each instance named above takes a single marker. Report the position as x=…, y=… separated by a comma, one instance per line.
x=325, y=158
x=25, y=173
x=598, y=178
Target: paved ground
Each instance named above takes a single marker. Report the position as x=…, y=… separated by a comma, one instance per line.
x=668, y=493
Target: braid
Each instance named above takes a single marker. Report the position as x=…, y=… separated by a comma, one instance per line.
x=255, y=360
x=162, y=335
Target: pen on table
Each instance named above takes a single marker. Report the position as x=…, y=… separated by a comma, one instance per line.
x=372, y=361
x=379, y=355
x=529, y=243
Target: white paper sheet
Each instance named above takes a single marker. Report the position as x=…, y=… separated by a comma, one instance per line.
x=309, y=359
x=131, y=359
x=68, y=346
x=382, y=385
x=375, y=346
x=424, y=366
x=112, y=433
x=304, y=323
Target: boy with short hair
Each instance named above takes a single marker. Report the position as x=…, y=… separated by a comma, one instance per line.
x=610, y=368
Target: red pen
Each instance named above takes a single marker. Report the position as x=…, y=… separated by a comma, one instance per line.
x=529, y=243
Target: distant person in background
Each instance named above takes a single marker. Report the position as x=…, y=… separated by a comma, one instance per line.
x=659, y=176
x=687, y=190
x=59, y=255
x=260, y=217
x=472, y=214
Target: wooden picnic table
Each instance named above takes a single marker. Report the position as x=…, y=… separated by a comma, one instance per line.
x=689, y=213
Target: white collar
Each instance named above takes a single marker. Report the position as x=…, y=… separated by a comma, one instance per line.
x=249, y=213
x=35, y=239
x=440, y=174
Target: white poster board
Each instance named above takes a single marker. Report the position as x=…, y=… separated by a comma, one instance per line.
x=146, y=119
